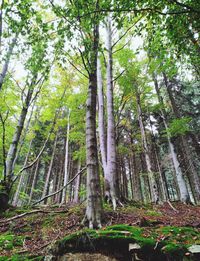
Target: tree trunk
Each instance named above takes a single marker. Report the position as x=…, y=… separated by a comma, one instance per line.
x=7, y=61
x=34, y=181
x=102, y=138
x=94, y=204
x=93, y=183
x=50, y=167
x=182, y=188
x=77, y=184
x=152, y=182
x=135, y=179
x=191, y=171
x=66, y=164
x=10, y=160
x=21, y=180
x=110, y=177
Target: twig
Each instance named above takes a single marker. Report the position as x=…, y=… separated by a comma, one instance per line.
x=30, y=213
x=54, y=193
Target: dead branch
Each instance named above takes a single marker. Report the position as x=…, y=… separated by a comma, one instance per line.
x=30, y=213
x=61, y=189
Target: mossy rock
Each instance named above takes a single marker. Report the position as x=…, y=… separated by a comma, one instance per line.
x=162, y=242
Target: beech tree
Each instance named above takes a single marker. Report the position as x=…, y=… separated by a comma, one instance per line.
x=87, y=84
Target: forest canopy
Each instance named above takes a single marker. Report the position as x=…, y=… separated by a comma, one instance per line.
x=99, y=101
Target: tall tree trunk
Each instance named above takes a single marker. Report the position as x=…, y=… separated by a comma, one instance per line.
x=50, y=167
x=110, y=177
x=94, y=204
x=152, y=182
x=26, y=128
x=101, y=120
x=93, y=184
x=66, y=164
x=16, y=137
x=21, y=180
x=191, y=171
x=182, y=188
x=7, y=61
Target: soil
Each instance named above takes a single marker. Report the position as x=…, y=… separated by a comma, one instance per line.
x=42, y=226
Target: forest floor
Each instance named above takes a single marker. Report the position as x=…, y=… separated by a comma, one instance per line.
x=30, y=231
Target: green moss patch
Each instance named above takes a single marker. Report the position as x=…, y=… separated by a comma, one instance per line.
x=22, y=258
x=171, y=241
x=8, y=242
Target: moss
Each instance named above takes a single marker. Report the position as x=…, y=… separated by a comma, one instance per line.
x=12, y=211
x=185, y=235
x=122, y=227
x=172, y=241
x=22, y=258
x=48, y=221
x=174, y=250
x=153, y=213
x=8, y=242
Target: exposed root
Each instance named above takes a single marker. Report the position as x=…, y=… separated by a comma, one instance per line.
x=170, y=204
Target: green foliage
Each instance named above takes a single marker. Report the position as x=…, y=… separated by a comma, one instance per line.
x=179, y=126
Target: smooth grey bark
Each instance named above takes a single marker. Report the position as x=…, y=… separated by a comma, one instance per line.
x=101, y=118
x=66, y=163
x=16, y=137
x=163, y=190
x=46, y=185
x=110, y=175
x=181, y=183
x=161, y=180
x=183, y=192
x=152, y=182
x=7, y=61
x=23, y=136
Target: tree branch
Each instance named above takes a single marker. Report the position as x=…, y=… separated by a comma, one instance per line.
x=54, y=193
x=78, y=69
x=126, y=32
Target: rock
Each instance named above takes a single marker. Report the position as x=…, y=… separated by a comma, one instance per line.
x=194, y=249
x=133, y=247
x=82, y=257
